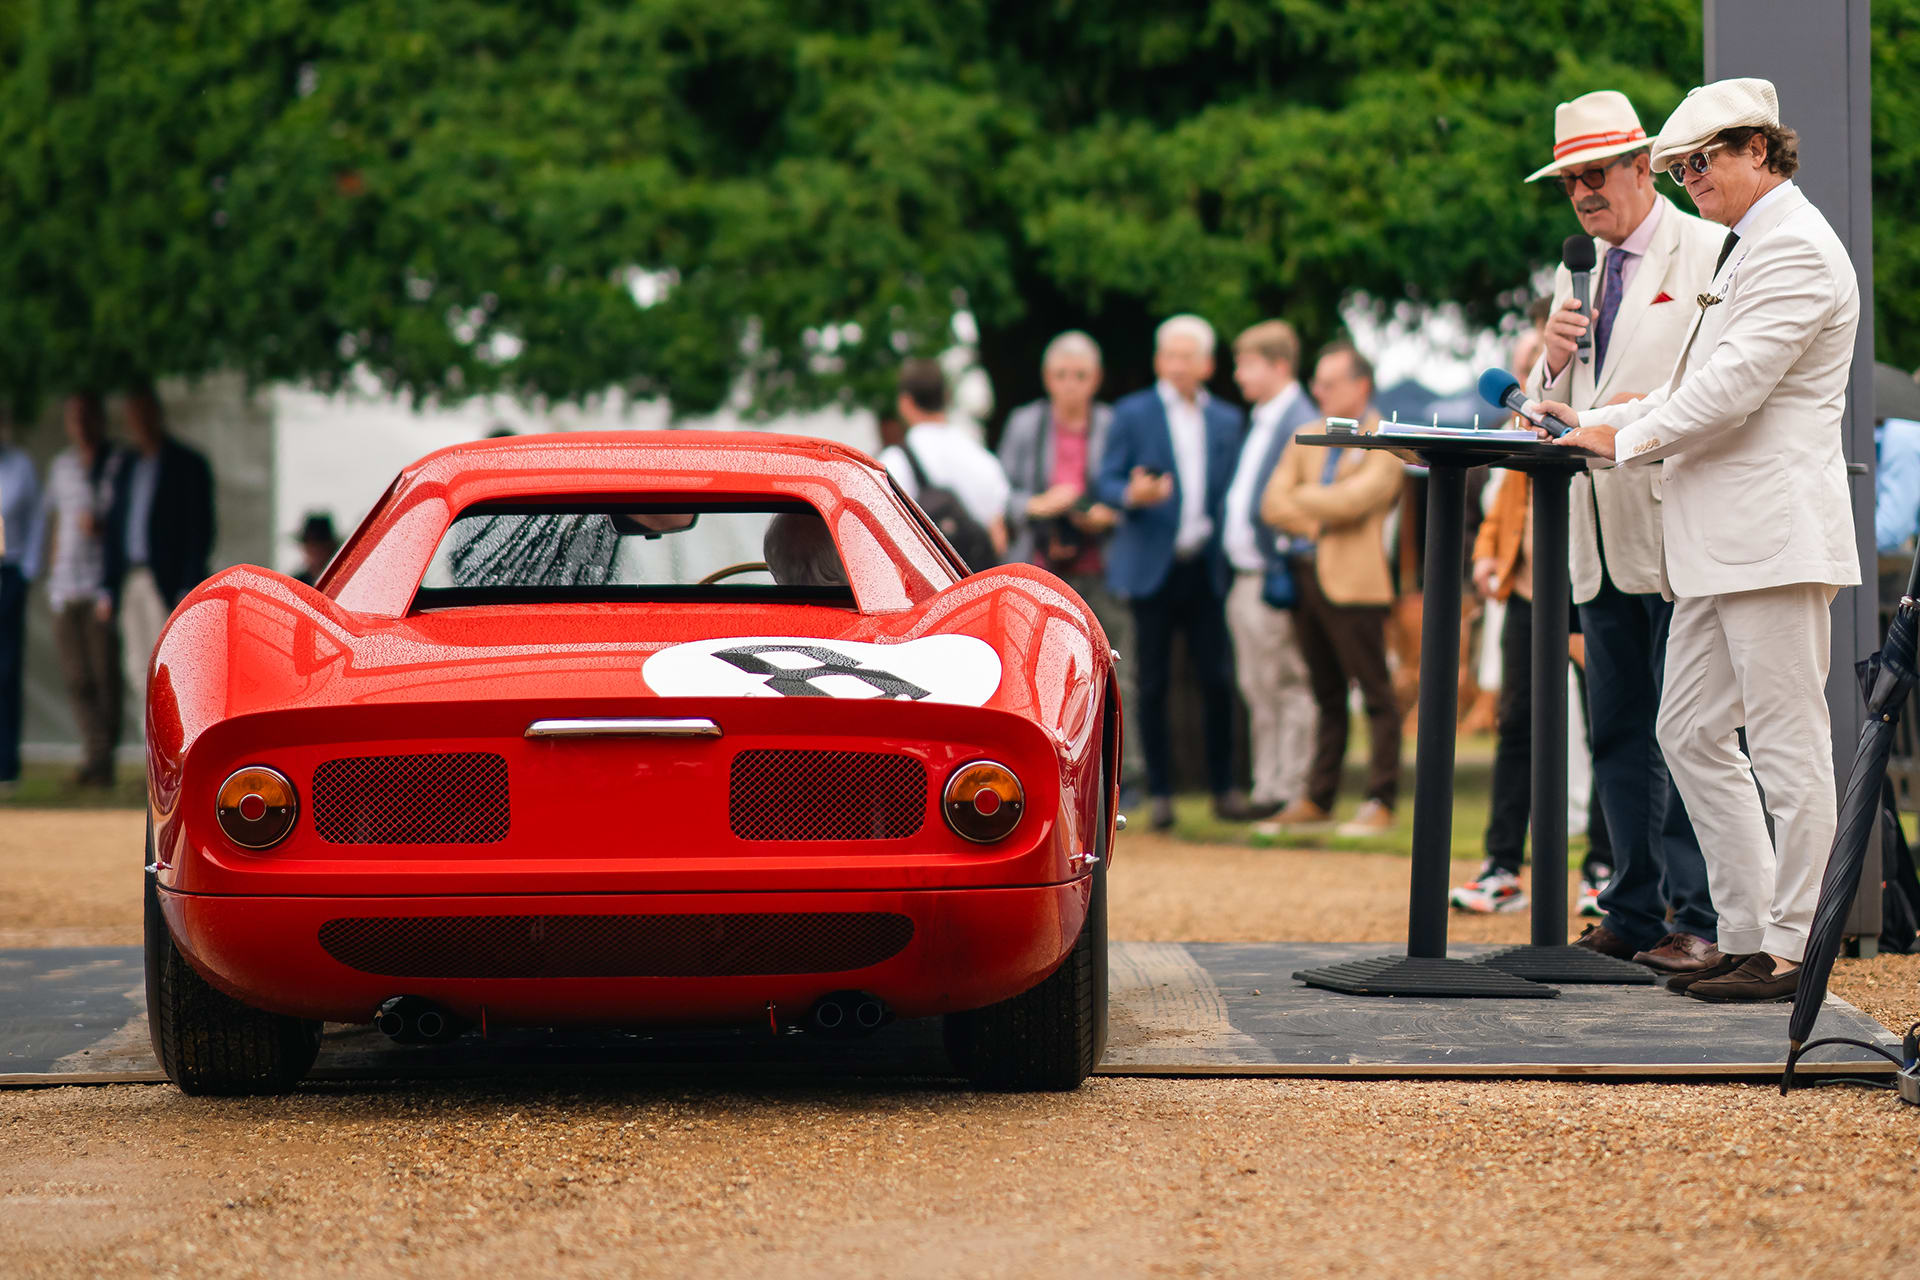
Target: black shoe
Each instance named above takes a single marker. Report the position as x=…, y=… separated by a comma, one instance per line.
x=1259, y=811
x=1162, y=819
x=1231, y=806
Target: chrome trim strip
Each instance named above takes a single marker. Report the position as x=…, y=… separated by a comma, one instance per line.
x=623, y=728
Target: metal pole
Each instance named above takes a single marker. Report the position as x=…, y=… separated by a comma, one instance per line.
x=1439, y=711
x=1551, y=608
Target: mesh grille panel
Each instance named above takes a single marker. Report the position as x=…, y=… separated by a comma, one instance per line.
x=826, y=795
x=659, y=946
x=450, y=798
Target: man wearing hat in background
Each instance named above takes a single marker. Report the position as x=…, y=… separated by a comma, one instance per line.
x=1758, y=529
x=318, y=543
x=1654, y=260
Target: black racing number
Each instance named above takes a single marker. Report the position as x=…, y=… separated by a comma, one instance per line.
x=798, y=682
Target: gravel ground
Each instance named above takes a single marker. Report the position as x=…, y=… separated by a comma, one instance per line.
x=1127, y=1177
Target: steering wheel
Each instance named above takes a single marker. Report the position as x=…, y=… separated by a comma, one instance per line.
x=734, y=570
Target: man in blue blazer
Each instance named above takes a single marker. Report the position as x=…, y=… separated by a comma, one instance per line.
x=1169, y=457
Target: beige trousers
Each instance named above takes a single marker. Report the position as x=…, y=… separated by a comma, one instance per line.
x=1281, y=716
x=142, y=614
x=1758, y=659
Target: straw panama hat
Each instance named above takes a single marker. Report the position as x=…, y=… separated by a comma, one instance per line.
x=1592, y=127
x=1704, y=112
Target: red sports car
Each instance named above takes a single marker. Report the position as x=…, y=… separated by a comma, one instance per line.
x=632, y=729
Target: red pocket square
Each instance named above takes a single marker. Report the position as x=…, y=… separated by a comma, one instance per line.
x=1664, y=297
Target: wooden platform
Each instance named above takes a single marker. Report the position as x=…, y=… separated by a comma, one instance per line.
x=77, y=1016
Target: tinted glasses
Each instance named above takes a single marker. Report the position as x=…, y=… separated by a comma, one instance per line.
x=1591, y=179
x=1696, y=163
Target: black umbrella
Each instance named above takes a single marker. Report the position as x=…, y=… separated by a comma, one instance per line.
x=1887, y=678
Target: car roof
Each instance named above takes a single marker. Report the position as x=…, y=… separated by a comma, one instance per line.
x=558, y=461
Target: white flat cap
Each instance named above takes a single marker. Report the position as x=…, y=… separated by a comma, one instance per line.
x=1704, y=112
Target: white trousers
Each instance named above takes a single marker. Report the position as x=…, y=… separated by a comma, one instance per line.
x=1758, y=659
x=143, y=614
x=1281, y=715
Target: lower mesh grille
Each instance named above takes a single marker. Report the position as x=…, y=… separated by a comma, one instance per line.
x=778, y=794
x=658, y=946
x=441, y=798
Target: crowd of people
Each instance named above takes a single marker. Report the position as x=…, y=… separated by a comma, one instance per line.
x=1175, y=513
x=118, y=533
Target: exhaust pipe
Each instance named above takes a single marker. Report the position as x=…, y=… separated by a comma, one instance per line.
x=416, y=1020
x=848, y=1014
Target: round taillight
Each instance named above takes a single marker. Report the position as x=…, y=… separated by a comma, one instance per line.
x=256, y=807
x=983, y=801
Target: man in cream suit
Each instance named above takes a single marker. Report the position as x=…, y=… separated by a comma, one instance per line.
x=1654, y=260
x=1758, y=529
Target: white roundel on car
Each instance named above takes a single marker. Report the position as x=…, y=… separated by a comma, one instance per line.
x=961, y=669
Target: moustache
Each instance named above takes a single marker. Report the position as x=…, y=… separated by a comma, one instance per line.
x=1593, y=204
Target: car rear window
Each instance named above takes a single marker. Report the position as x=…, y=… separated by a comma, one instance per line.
x=639, y=550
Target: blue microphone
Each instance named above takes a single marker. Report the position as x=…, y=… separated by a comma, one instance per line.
x=1502, y=390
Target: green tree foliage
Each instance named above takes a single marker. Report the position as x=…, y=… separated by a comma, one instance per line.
x=466, y=195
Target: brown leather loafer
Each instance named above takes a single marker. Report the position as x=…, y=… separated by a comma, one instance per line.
x=1752, y=983
x=1608, y=943
x=1721, y=966
x=1678, y=953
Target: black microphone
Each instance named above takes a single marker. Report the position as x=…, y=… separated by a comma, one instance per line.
x=1498, y=387
x=1577, y=255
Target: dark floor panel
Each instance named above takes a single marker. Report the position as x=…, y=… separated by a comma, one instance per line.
x=76, y=1015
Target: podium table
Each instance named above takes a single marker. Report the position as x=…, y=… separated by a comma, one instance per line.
x=1516, y=972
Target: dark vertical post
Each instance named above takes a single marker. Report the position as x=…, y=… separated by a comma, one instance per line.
x=1551, y=608
x=1439, y=711
x=1817, y=57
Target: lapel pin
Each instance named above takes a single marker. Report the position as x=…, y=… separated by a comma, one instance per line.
x=1708, y=300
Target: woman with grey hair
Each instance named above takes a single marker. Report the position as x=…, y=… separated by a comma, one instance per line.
x=1050, y=450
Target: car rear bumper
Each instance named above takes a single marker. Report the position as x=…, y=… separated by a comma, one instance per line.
x=628, y=959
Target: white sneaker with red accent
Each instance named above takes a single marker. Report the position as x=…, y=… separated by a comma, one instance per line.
x=1495, y=891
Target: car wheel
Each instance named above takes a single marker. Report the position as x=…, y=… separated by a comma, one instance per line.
x=208, y=1042
x=1051, y=1036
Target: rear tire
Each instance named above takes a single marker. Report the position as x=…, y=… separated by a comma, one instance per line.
x=1049, y=1037
x=207, y=1042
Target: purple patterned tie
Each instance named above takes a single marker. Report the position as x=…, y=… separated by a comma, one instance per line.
x=1609, y=307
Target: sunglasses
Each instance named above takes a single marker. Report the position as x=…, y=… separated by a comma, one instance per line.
x=1696, y=163
x=1591, y=179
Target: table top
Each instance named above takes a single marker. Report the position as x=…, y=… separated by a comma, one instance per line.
x=1463, y=451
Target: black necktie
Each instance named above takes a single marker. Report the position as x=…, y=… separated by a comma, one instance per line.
x=1725, y=249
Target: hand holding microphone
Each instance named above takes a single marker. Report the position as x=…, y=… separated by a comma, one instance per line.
x=1577, y=255
x=1557, y=420
x=1500, y=388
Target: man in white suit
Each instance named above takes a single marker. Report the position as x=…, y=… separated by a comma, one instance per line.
x=1653, y=261
x=1758, y=529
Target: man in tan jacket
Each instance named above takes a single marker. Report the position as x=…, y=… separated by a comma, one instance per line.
x=1332, y=504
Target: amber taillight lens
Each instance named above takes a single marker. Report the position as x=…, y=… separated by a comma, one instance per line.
x=257, y=807
x=983, y=801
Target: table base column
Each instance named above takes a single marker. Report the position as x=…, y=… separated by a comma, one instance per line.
x=1425, y=970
